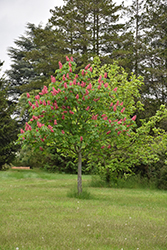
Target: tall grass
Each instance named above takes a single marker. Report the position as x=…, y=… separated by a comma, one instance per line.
x=36, y=213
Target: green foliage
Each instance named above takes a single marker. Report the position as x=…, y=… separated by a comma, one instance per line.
x=162, y=178
x=8, y=127
x=130, y=181
x=80, y=128
x=79, y=113
x=27, y=157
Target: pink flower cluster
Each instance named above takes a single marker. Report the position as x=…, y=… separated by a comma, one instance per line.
x=44, y=91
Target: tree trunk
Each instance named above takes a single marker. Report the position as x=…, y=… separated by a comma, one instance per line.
x=79, y=172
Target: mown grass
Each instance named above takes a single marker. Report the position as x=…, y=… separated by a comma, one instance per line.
x=36, y=213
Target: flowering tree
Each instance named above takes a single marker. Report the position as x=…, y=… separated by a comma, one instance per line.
x=77, y=113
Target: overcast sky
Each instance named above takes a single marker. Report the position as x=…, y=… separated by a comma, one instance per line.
x=15, y=14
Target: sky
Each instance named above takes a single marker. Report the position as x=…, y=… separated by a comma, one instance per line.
x=15, y=14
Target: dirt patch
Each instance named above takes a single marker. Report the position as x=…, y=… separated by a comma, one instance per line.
x=27, y=168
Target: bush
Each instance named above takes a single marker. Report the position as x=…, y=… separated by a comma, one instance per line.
x=162, y=179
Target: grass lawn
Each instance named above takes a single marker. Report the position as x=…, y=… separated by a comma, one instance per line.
x=36, y=213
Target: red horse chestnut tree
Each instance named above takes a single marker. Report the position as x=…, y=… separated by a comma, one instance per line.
x=77, y=113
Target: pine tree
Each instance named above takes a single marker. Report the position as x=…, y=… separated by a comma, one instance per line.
x=154, y=91
x=8, y=126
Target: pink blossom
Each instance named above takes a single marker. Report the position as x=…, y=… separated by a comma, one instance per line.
x=121, y=103
x=83, y=84
x=72, y=59
x=94, y=117
x=30, y=103
x=50, y=127
x=109, y=146
x=63, y=117
x=65, y=85
x=44, y=102
x=81, y=138
x=106, y=85
x=28, y=95
x=67, y=59
x=63, y=132
x=55, y=122
x=117, y=103
x=37, y=97
x=99, y=86
x=102, y=146
x=60, y=65
x=115, y=90
x=90, y=69
x=41, y=148
x=65, y=98
x=52, y=107
x=109, y=121
x=115, y=108
x=56, y=106
x=82, y=72
x=134, y=118
x=71, y=112
x=89, y=86
x=33, y=106
x=87, y=67
x=99, y=79
x=105, y=75
x=40, y=102
x=48, y=102
x=103, y=115
x=36, y=103
x=108, y=132
x=39, y=124
x=53, y=79
x=76, y=76
x=35, y=117
x=77, y=96
x=64, y=78
x=111, y=104
x=119, y=132
x=124, y=119
x=87, y=92
x=45, y=90
x=74, y=82
x=22, y=131
x=105, y=118
x=119, y=122
x=122, y=110
x=87, y=108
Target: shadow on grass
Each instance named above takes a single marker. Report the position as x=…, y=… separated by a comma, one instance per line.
x=85, y=195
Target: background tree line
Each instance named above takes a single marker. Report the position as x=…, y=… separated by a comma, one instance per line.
x=134, y=36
